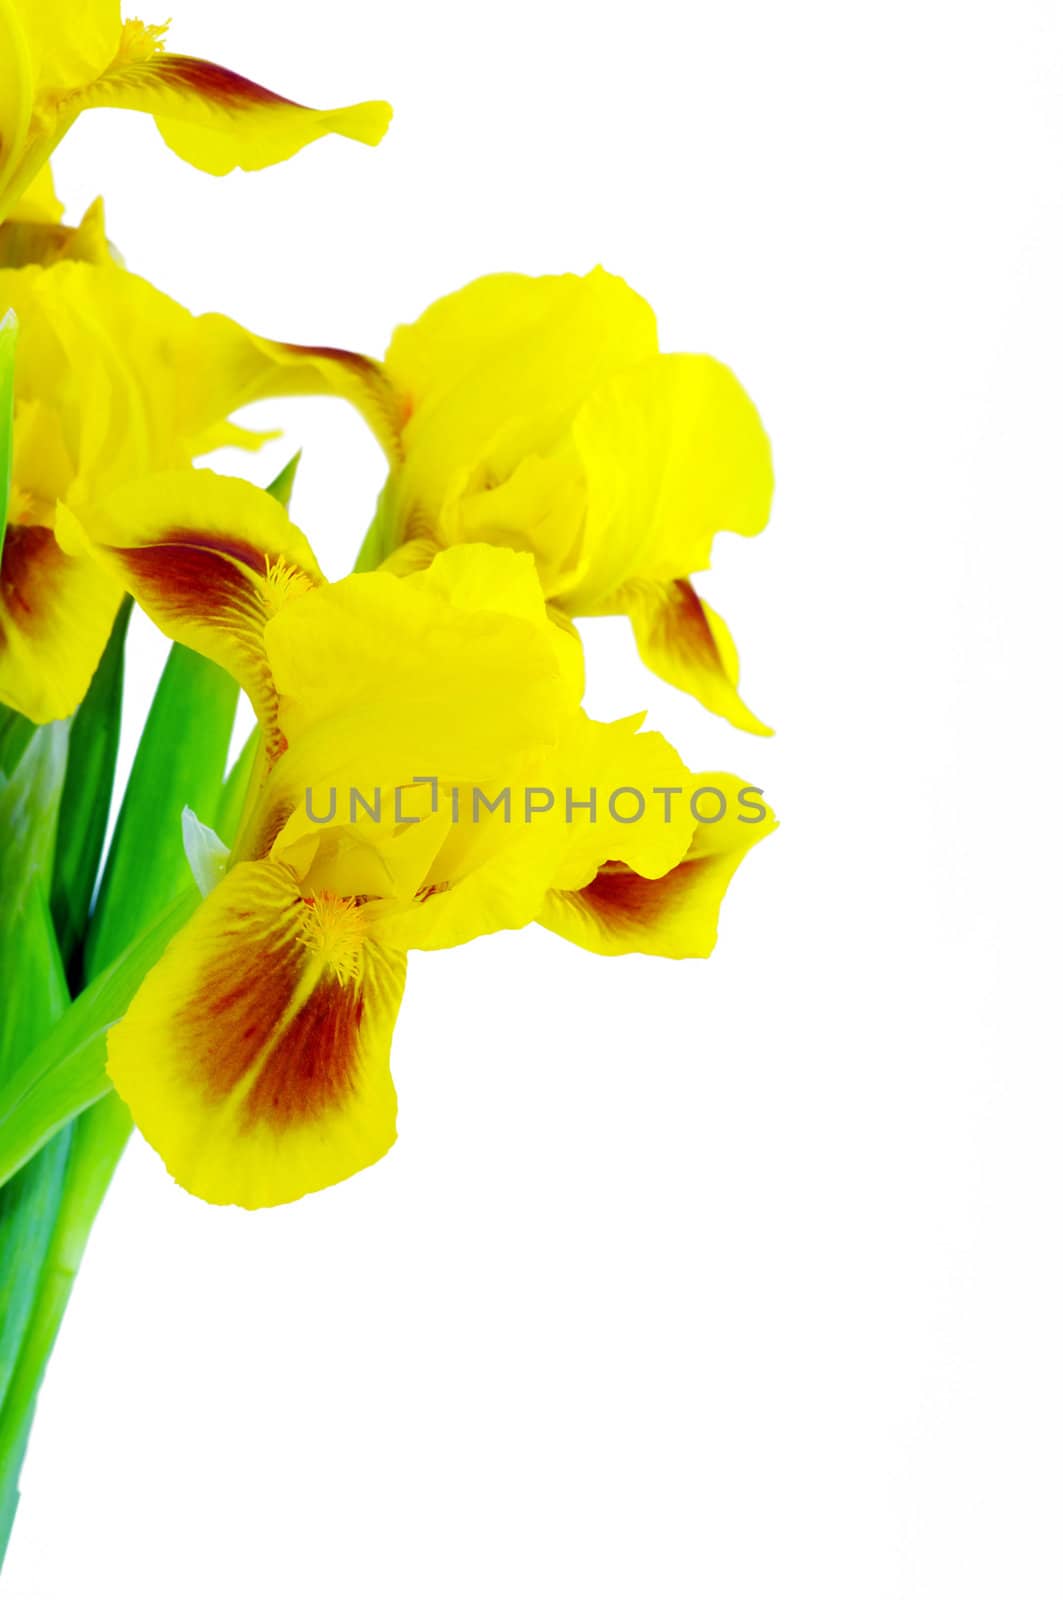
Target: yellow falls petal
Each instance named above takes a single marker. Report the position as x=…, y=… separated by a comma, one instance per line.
x=210, y=559
x=689, y=645
x=676, y=915
x=218, y=120
x=56, y=611
x=223, y=362
x=610, y=778
x=255, y=1056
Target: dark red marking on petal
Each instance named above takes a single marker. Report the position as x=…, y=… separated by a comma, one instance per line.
x=31, y=563
x=314, y=1061
x=206, y=78
x=685, y=623
x=237, y=1024
x=186, y=580
x=621, y=898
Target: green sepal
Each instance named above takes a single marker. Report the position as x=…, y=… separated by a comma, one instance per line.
x=180, y=761
x=86, y=801
x=8, y=335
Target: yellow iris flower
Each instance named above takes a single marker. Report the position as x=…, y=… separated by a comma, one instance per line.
x=541, y=415
x=114, y=381
x=255, y=1057
x=59, y=58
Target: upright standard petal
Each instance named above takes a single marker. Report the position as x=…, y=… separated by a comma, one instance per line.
x=496, y=372
x=255, y=1055
x=620, y=912
x=674, y=453
x=473, y=674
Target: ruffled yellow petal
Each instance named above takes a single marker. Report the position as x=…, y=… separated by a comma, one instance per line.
x=472, y=677
x=56, y=612
x=676, y=915
x=673, y=452
x=541, y=510
x=210, y=559
x=476, y=680
x=255, y=1056
x=686, y=643
x=143, y=384
x=498, y=370
x=490, y=871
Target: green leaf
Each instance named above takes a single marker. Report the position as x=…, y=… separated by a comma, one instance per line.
x=8, y=334
x=379, y=539
x=284, y=482
x=16, y=731
x=180, y=761
x=29, y=1206
x=86, y=801
x=234, y=790
x=67, y=1071
x=35, y=996
x=29, y=806
x=34, y=999
x=89, y=1150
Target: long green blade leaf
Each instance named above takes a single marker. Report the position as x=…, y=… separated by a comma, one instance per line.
x=34, y=999
x=86, y=799
x=180, y=761
x=68, y=1069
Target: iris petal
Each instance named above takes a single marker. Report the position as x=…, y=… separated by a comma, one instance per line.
x=254, y=1057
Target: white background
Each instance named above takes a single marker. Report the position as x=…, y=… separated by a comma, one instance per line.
x=737, y=1280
